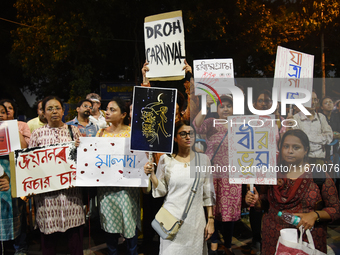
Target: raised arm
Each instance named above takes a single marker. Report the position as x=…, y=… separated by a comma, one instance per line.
x=200, y=117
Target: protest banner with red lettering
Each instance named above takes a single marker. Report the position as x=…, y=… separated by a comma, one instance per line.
x=43, y=169
x=293, y=69
x=108, y=161
x=212, y=76
x=252, y=149
x=164, y=46
x=217, y=73
x=9, y=137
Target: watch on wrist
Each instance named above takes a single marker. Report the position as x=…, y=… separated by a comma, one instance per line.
x=318, y=219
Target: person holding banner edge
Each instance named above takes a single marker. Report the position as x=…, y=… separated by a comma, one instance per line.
x=119, y=206
x=173, y=181
x=228, y=196
x=12, y=225
x=62, y=210
x=24, y=129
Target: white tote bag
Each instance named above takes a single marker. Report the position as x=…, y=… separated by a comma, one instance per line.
x=289, y=244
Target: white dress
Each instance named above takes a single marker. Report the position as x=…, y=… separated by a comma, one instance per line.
x=175, y=182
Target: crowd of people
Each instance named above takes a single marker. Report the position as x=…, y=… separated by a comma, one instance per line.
x=217, y=203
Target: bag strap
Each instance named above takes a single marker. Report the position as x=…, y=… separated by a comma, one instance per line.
x=193, y=189
x=70, y=130
x=218, y=147
x=309, y=237
x=101, y=132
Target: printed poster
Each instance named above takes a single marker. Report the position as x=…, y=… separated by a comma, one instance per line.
x=153, y=119
x=108, y=161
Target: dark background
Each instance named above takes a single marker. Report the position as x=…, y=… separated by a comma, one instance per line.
x=67, y=48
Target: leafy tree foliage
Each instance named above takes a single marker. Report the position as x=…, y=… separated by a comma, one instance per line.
x=67, y=47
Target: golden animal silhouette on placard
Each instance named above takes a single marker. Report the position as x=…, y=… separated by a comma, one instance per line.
x=154, y=118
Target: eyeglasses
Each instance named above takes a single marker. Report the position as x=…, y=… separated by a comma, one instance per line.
x=51, y=109
x=184, y=134
x=87, y=106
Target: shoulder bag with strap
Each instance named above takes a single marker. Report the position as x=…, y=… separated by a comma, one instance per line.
x=218, y=147
x=71, y=132
x=167, y=225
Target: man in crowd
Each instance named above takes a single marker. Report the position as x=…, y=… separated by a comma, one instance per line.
x=317, y=129
x=86, y=127
x=97, y=116
x=39, y=121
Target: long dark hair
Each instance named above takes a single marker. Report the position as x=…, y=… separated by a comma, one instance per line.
x=180, y=124
x=303, y=138
x=14, y=105
x=1, y=104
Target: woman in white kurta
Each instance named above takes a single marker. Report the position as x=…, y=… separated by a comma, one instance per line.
x=173, y=180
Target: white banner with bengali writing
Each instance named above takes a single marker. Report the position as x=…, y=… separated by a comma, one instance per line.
x=43, y=169
x=293, y=69
x=252, y=149
x=213, y=73
x=108, y=161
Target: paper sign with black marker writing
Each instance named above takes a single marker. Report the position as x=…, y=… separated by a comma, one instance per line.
x=164, y=45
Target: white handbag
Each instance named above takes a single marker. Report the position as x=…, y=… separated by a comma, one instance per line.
x=167, y=225
x=294, y=246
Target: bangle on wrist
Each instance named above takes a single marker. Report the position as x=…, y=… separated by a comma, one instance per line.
x=318, y=219
x=211, y=217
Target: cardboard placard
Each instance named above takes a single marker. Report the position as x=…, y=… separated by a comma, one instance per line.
x=165, y=46
x=293, y=69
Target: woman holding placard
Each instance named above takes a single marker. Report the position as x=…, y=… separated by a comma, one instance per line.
x=298, y=193
x=24, y=129
x=119, y=206
x=62, y=210
x=174, y=181
x=12, y=216
x=228, y=196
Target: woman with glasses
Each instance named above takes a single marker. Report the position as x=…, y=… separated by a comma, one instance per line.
x=174, y=181
x=62, y=210
x=119, y=206
x=228, y=196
